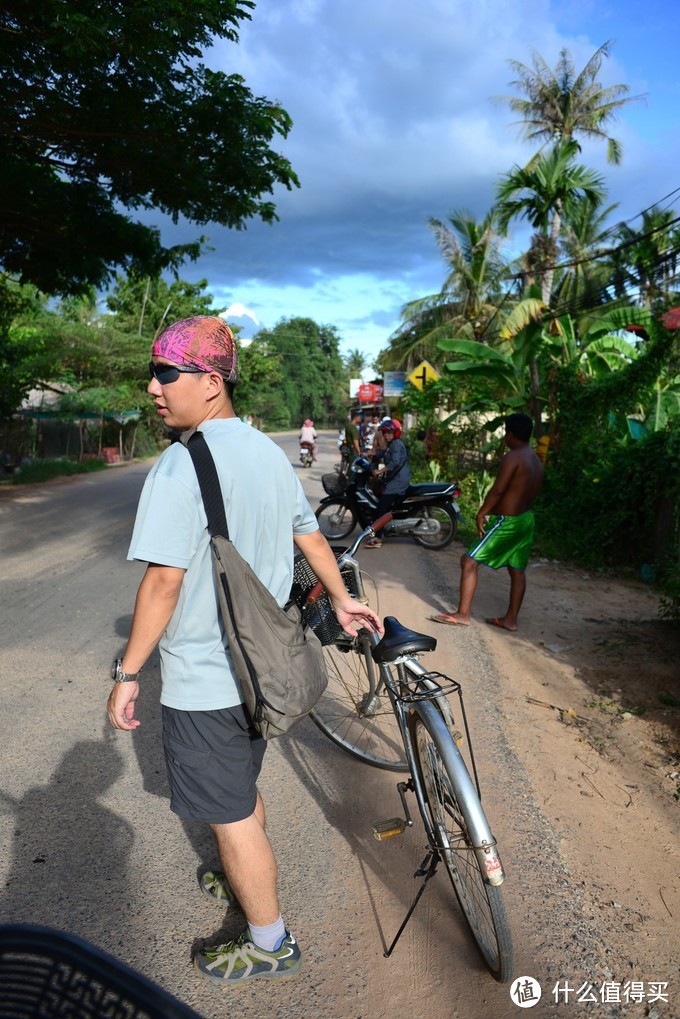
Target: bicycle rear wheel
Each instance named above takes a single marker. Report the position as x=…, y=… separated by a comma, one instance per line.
x=355, y=711
x=439, y=763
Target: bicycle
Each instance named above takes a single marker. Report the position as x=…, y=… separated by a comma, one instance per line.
x=385, y=708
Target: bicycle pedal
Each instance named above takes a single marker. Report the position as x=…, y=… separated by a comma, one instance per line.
x=386, y=829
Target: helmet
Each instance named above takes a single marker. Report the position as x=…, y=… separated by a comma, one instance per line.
x=391, y=425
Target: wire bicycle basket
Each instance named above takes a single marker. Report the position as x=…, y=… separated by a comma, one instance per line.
x=320, y=616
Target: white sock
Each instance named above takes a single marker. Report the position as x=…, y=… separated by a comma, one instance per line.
x=269, y=937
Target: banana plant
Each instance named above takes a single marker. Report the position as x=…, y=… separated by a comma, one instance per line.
x=599, y=346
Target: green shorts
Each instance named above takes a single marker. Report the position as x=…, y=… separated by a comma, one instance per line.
x=506, y=542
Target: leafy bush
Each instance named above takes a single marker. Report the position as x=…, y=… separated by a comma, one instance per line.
x=45, y=470
x=669, y=607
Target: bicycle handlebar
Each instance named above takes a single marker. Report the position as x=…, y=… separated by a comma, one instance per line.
x=368, y=532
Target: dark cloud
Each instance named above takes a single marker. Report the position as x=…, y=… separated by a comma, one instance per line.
x=394, y=122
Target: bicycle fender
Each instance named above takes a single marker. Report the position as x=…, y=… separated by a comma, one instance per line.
x=484, y=843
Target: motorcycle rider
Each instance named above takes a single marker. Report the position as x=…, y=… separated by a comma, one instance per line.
x=308, y=434
x=395, y=471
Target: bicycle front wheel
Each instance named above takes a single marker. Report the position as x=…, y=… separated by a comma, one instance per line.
x=355, y=711
x=439, y=763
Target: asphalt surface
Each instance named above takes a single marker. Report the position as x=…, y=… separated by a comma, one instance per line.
x=89, y=845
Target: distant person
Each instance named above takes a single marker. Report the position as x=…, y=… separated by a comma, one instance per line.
x=371, y=429
x=352, y=435
x=395, y=471
x=505, y=527
x=308, y=434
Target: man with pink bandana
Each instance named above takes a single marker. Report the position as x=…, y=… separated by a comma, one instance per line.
x=213, y=755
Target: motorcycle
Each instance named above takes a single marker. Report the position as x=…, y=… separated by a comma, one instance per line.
x=306, y=458
x=428, y=513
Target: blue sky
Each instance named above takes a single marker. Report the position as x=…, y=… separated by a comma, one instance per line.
x=394, y=122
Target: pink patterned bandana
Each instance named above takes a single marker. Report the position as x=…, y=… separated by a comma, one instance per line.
x=205, y=342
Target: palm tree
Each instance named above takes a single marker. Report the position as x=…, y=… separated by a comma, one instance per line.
x=645, y=262
x=582, y=280
x=355, y=363
x=543, y=193
x=469, y=297
x=561, y=105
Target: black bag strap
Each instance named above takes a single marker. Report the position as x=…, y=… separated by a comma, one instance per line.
x=213, y=502
x=208, y=481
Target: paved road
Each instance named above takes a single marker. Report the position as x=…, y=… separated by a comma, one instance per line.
x=88, y=843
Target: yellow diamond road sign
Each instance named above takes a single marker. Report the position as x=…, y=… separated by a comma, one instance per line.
x=423, y=375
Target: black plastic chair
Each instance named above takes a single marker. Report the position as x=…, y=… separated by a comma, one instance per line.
x=48, y=973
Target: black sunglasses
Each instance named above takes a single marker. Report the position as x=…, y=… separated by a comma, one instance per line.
x=167, y=373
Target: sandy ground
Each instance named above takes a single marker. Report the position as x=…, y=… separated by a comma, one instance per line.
x=590, y=693
x=575, y=722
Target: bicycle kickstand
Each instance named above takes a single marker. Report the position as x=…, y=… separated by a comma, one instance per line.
x=426, y=870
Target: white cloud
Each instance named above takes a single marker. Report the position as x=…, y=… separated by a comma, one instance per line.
x=238, y=310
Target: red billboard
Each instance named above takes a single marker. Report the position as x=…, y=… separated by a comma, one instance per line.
x=369, y=393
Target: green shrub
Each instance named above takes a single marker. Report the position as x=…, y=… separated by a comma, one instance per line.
x=45, y=470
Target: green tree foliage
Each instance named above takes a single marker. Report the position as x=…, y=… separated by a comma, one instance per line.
x=23, y=356
x=260, y=374
x=644, y=264
x=564, y=104
x=606, y=495
x=145, y=306
x=89, y=353
x=582, y=279
x=313, y=377
x=105, y=108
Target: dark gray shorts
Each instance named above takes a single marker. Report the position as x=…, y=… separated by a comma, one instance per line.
x=213, y=760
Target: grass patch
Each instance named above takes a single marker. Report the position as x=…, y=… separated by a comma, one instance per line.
x=45, y=470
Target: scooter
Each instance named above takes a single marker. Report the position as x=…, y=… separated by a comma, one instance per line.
x=306, y=458
x=428, y=513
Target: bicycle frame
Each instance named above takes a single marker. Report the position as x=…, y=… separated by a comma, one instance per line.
x=401, y=697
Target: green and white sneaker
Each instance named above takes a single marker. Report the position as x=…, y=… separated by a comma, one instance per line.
x=213, y=883
x=240, y=961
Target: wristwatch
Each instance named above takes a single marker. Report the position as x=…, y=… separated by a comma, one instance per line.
x=117, y=674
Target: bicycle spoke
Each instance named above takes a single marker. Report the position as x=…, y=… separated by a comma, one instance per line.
x=355, y=710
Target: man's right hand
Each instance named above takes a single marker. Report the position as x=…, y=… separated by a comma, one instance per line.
x=121, y=706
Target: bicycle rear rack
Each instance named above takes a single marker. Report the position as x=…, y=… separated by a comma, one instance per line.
x=414, y=689
x=439, y=685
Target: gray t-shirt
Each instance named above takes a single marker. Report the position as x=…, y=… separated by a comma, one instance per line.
x=265, y=507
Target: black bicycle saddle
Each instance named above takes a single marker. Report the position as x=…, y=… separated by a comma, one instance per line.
x=397, y=640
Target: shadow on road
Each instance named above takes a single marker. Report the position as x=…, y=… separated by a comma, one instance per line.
x=67, y=844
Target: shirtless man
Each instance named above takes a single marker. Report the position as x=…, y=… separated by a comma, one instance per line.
x=505, y=527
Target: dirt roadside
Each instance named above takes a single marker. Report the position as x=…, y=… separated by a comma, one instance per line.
x=590, y=695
